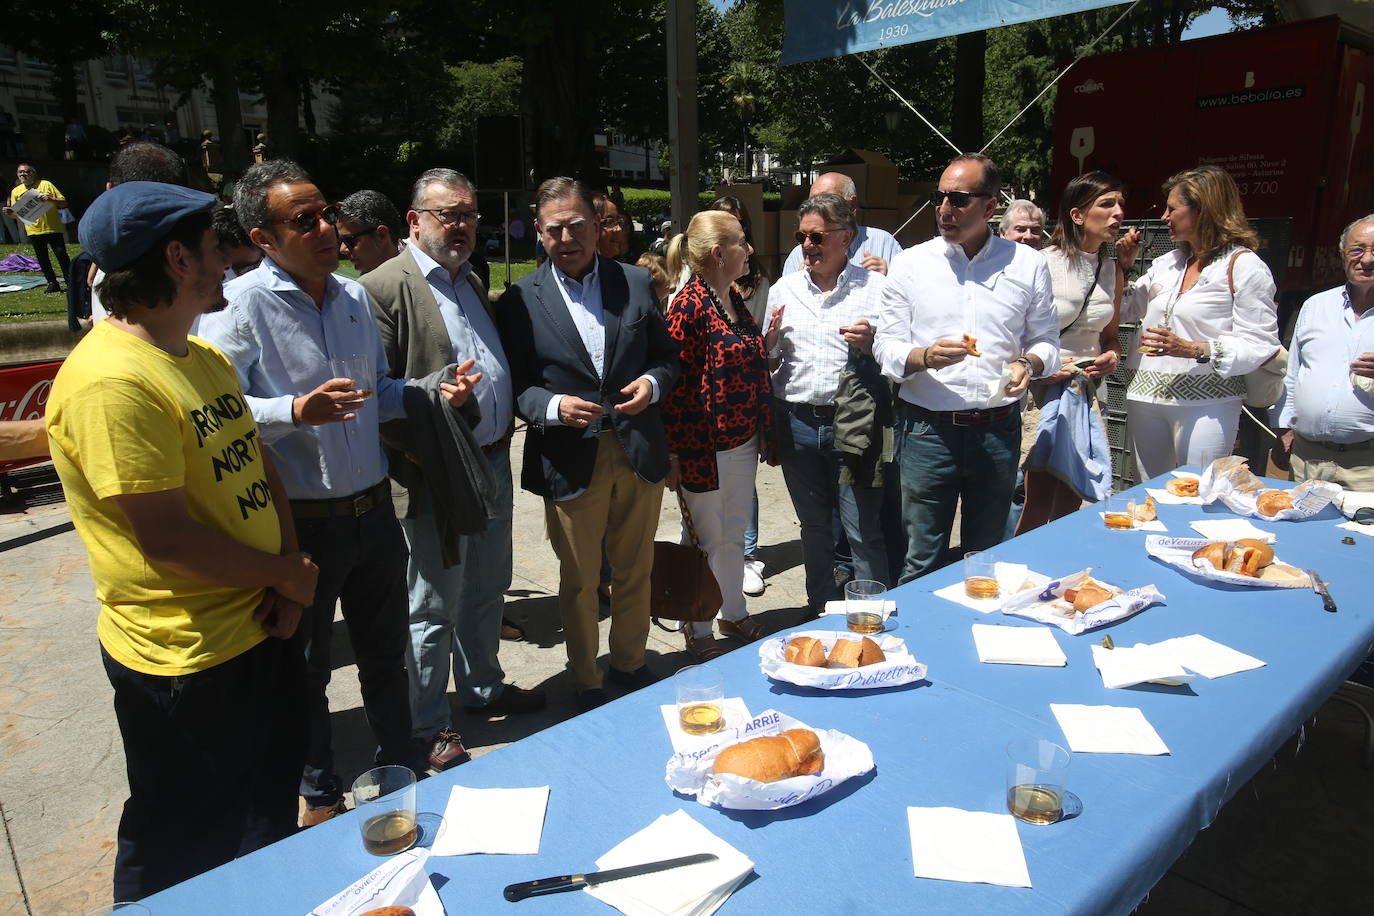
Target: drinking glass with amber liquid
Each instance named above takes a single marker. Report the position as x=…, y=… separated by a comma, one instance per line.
x=1037, y=772
x=385, y=800
x=1116, y=512
x=980, y=575
x=358, y=368
x=865, y=607
x=700, y=696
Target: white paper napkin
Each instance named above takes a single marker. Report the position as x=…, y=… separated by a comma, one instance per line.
x=498, y=821
x=694, y=889
x=1350, y=500
x=1017, y=646
x=1152, y=525
x=1165, y=498
x=1366, y=530
x=1208, y=657
x=980, y=847
x=1230, y=529
x=1010, y=579
x=838, y=607
x=732, y=708
x=1107, y=729
x=400, y=880
x=1126, y=666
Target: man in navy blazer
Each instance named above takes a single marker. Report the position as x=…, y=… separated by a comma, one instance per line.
x=591, y=359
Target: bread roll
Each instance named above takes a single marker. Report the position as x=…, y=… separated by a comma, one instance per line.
x=390, y=911
x=1182, y=486
x=1214, y=553
x=1272, y=502
x=851, y=653
x=1266, y=553
x=796, y=752
x=1090, y=594
x=804, y=650
x=1146, y=511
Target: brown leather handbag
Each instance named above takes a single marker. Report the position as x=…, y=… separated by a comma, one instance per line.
x=682, y=588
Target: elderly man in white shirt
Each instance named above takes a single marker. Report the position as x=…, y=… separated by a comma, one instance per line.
x=966, y=321
x=816, y=315
x=1328, y=416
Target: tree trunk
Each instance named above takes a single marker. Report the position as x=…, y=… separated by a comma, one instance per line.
x=281, y=90
x=224, y=93
x=966, y=117
x=561, y=109
x=307, y=109
x=64, y=87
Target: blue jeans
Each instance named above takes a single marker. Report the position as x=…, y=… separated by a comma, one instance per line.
x=751, y=531
x=811, y=469
x=943, y=462
x=362, y=567
x=455, y=613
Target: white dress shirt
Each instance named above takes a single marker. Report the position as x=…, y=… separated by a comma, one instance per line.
x=813, y=350
x=1242, y=328
x=1323, y=405
x=472, y=335
x=1001, y=296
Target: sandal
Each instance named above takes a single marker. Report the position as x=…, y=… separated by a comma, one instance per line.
x=702, y=648
x=746, y=628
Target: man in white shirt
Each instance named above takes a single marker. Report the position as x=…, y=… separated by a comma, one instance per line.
x=870, y=248
x=1023, y=222
x=966, y=321
x=1328, y=416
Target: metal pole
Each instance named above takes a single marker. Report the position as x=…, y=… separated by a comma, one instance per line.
x=682, y=108
x=505, y=204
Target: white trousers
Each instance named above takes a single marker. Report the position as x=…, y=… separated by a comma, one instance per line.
x=720, y=517
x=1164, y=436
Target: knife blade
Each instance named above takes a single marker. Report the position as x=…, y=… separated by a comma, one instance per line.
x=1319, y=586
x=524, y=889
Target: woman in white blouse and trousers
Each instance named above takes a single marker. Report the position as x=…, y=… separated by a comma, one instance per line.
x=1208, y=318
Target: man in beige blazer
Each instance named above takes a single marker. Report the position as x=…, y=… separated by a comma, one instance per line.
x=432, y=312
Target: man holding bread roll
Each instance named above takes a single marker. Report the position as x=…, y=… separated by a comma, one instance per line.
x=1327, y=420
x=965, y=322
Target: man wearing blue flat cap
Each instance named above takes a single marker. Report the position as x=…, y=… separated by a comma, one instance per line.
x=191, y=546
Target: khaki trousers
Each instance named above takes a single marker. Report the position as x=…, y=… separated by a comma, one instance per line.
x=623, y=510
x=1352, y=468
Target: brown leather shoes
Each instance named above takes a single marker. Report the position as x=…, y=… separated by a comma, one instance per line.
x=446, y=750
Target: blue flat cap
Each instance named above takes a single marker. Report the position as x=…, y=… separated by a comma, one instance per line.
x=130, y=218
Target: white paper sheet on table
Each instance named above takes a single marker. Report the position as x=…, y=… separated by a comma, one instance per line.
x=1165, y=498
x=950, y=844
x=1126, y=666
x=732, y=709
x=1208, y=657
x=694, y=889
x=838, y=607
x=1230, y=529
x=494, y=821
x=1011, y=578
x=1350, y=500
x=1017, y=646
x=1107, y=729
x=1366, y=530
x=399, y=881
x=1152, y=525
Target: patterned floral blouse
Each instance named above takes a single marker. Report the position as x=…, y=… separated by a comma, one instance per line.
x=722, y=398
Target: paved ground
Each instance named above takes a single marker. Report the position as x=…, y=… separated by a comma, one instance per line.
x=1296, y=839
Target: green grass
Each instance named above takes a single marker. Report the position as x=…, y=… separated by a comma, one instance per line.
x=32, y=304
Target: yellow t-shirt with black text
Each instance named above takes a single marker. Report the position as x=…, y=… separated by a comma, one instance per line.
x=125, y=417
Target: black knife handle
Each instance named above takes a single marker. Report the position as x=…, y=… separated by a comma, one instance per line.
x=1329, y=603
x=517, y=892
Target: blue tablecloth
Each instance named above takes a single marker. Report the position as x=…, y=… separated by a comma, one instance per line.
x=936, y=743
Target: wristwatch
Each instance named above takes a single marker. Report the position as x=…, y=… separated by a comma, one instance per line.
x=1203, y=357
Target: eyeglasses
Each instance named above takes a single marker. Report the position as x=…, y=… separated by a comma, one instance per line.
x=448, y=218
x=1356, y=252
x=816, y=238
x=555, y=230
x=957, y=199
x=307, y=221
x=1362, y=516
x=611, y=222
x=352, y=238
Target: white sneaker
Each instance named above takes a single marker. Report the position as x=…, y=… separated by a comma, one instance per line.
x=753, y=577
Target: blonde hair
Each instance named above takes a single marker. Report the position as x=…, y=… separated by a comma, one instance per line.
x=706, y=230
x=654, y=264
x=1221, y=223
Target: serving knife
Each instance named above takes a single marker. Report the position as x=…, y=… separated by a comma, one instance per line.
x=1319, y=586
x=524, y=889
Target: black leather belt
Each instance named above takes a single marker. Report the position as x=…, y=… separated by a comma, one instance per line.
x=1340, y=446
x=963, y=417
x=499, y=443
x=355, y=506
x=816, y=411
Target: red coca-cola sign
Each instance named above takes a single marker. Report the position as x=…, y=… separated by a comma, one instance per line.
x=24, y=396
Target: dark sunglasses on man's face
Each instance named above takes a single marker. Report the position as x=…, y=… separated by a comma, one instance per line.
x=817, y=238
x=352, y=238
x=304, y=222
x=957, y=199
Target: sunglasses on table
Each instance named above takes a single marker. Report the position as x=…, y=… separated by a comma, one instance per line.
x=306, y=221
x=352, y=238
x=957, y=199
x=1361, y=516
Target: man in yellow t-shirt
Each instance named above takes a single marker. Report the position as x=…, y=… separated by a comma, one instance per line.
x=46, y=230
x=191, y=545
